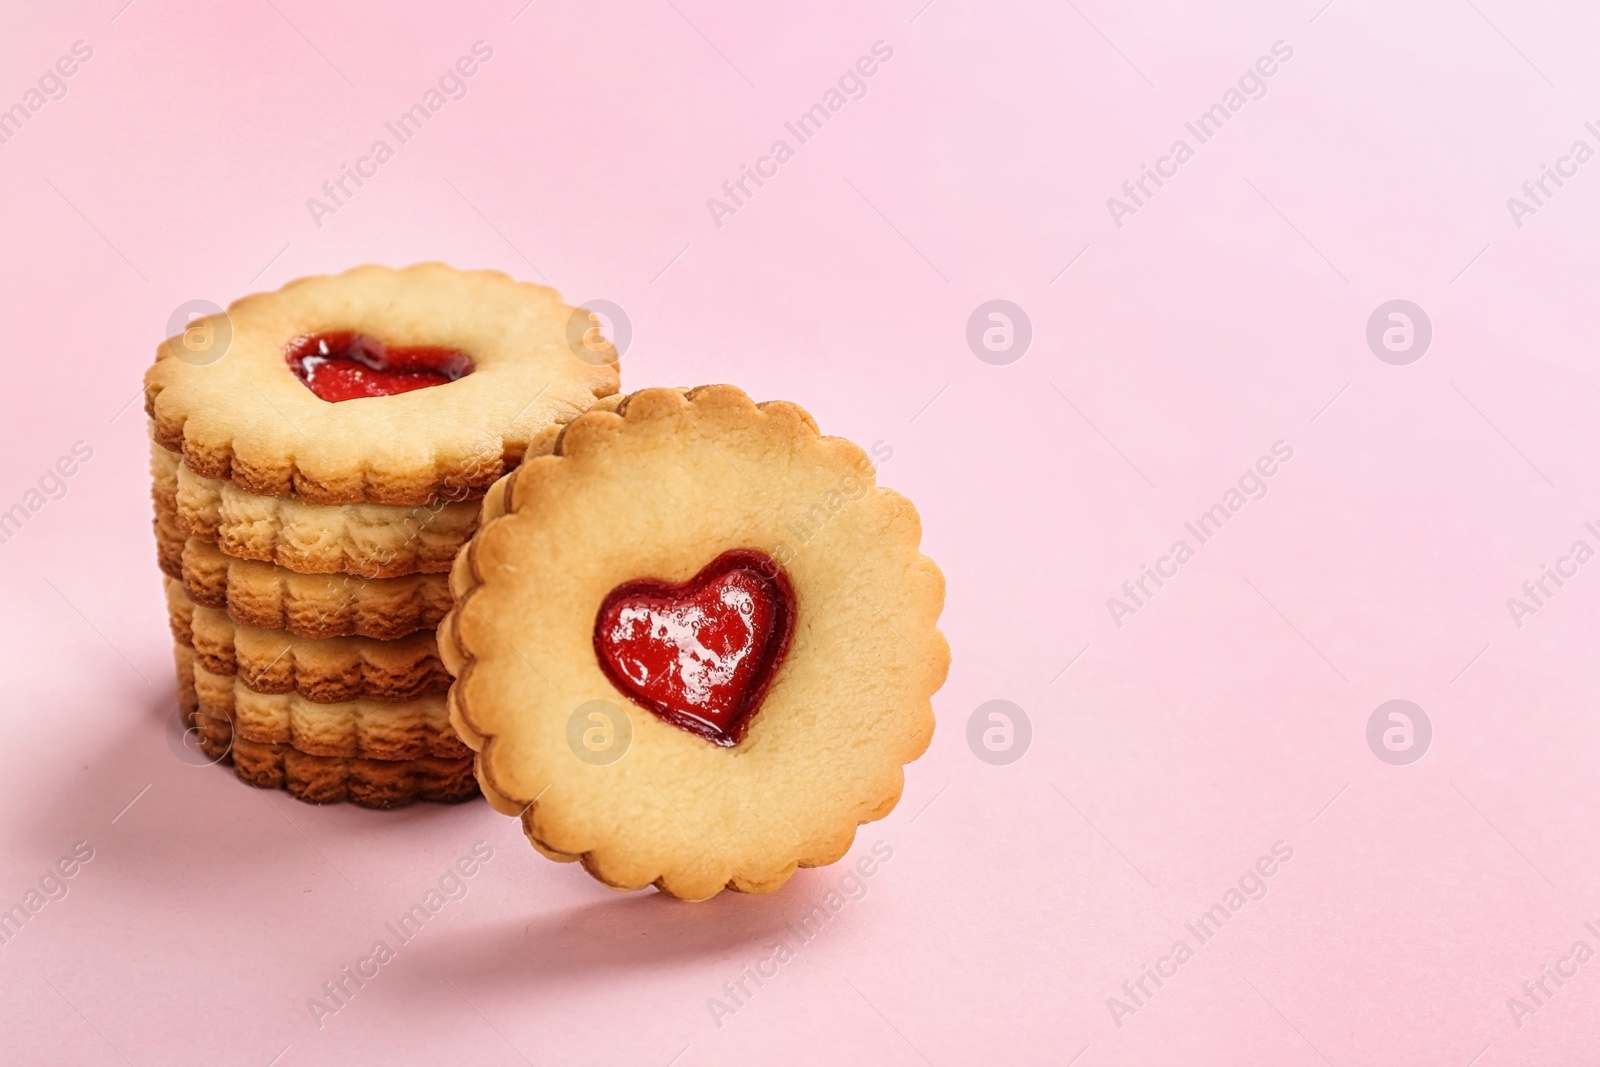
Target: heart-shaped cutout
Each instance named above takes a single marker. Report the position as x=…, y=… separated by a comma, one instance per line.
x=347, y=366
x=699, y=655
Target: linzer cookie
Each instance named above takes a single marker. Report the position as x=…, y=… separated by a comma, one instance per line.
x=370, y=783
x=361, y=540
x=327, y=670
x=423, y=759
x=377, y=385
x=365, y=540
x=367, y=729
x=270, y=597
x=695, y=646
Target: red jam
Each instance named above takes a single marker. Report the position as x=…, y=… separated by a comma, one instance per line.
x=699, y=655
x=347, y=366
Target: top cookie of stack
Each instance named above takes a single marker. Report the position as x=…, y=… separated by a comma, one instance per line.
x=318, y=452
x=272, y=413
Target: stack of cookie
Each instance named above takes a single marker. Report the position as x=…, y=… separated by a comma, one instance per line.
x=318, y=456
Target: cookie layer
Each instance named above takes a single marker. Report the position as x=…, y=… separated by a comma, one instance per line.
x=368, y=729
x=369, y=783
x=327, y=670
x=183, y=661
x=244, y=417
x=363, y=540
x=656, y=490
x=267, y=596
x=169, y=542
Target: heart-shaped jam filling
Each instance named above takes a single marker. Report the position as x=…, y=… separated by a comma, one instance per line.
x=348, y=365
x=699, y=655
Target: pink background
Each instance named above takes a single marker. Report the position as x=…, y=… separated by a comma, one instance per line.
x=1226, y=715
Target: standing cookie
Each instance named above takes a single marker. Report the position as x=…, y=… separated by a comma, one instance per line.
x=695, y=646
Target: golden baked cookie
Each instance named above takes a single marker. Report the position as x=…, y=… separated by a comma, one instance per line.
x=170, y=542
x=188, y=702
x=270, y=597
x=327, y=670
x=369, y=783
x=365, y=540
x=379, y=385
x=696, y=645
x=362, y=540
x=368, y=729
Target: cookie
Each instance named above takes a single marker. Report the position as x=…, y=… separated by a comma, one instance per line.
x=379, y=783
x=170, y=543
x=369, y=783
x=365, y=540
x=327, y=670
x=378, y=385
x=368, y=729
x=215, y=735
x=163, y=491
x=696, y=645
x=266, y=596
x=188, y=702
